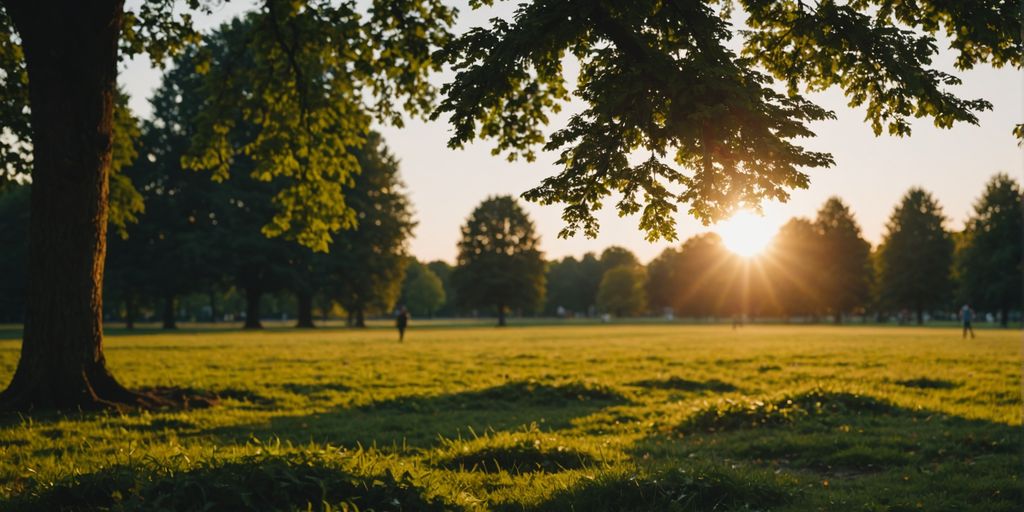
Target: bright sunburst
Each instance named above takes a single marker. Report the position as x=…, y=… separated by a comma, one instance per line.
x=746, y=233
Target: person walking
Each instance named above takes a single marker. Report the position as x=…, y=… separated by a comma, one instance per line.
x=401, y=321
x=966, y=315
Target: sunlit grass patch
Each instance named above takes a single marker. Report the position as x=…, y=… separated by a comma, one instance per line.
x=599, y=417
x=731, y=414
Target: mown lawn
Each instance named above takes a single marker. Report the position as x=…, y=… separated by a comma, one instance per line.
x=602, y=417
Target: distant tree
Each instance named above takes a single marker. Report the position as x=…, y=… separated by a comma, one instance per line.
x=793, y=263
x=843, y=260
x=990, y=253
x=617, y=256
x=663, y=280
x=563, y=278
x=591, y=272
x=705, y=269
x=499, y=262
x=916, y=256
x=444, y=272
x=422, y=291
x=622, y=291
x=366, y=264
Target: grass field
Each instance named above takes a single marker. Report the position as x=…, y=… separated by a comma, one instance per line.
x=603, y=417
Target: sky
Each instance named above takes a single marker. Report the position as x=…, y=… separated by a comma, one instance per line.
x=870, y=175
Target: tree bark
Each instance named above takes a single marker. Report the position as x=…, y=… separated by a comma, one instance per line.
x=169, y=313
x=1004, y=317
x=501, y=316
x=71, y=54
x=305, y=315
x=360, y=318
x=252, y=308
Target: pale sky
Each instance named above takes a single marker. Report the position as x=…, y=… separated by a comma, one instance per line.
x=871, y=173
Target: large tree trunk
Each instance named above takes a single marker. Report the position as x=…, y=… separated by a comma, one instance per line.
x=360, y=318
x=169, y=314
x=305, y=301
x=71, y=53
x=252, y=308
x=501, y=316
x=1004, y=317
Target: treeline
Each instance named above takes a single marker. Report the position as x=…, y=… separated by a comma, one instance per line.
x=819, y=269
x=201, y=256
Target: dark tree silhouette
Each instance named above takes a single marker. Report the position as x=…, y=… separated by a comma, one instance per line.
x=843, y=260
x=990, y=254
x=916, y=256
x=499, y=263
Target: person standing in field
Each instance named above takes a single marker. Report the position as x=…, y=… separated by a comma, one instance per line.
x=966, y=315
x=401, y=321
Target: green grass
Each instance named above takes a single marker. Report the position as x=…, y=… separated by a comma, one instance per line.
x=579, y=417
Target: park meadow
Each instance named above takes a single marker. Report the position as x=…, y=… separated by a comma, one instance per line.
x=553, y=416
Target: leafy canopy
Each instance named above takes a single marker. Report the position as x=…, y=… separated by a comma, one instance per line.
x=296, y=84
x=674, y=115
x=989, y=259
x=916, y=254
x=499, y=261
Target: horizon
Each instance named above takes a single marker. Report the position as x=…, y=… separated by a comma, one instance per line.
x=871, y=173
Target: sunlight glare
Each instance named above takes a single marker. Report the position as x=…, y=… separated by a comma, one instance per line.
x=746, y=233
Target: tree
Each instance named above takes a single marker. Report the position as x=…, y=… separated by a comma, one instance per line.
x=616, y=256
x=60, y=62
x=563, y=279
x=422, y=290
x=499, y=262
x=444, y=272
x=662, y=79
x=622, y=291
x=366, y=265
x=916, y=255
x=663, y=281
x=990, y=254
x=794, y=263
x=844, y=260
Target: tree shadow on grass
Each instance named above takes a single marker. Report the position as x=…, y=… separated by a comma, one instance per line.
x=858, y=446
x=418, y=421
x=675, y=383
x=705, y=487
x=262, y=483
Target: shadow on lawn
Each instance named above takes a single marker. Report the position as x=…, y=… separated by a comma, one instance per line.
x=295, y=482
x=418, y=421
x=859, y=442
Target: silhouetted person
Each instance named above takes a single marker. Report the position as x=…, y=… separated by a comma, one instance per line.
x=966, y=315
x=401, y=321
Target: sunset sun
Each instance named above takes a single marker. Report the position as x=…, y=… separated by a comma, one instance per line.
x=746, y=233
